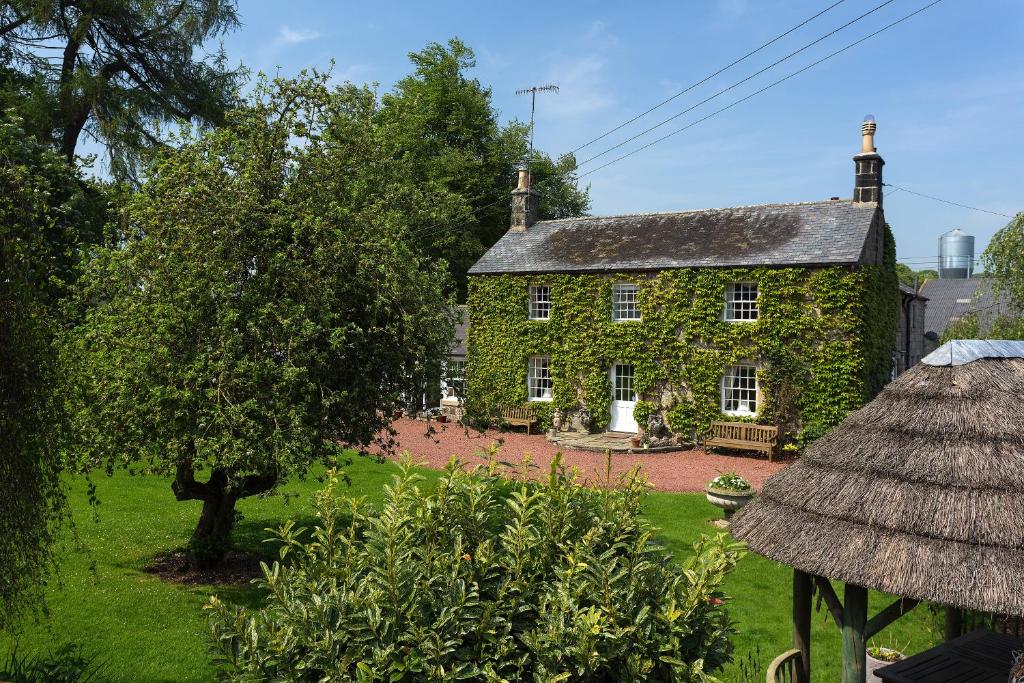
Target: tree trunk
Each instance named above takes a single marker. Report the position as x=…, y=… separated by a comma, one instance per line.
x=212, y=536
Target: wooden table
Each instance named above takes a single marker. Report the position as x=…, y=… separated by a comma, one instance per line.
x=978, y=657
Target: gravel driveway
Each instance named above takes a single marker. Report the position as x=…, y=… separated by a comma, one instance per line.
x=680, y=471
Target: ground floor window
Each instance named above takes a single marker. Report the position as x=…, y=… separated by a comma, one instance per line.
x=539, y=378
x=739, y=390
x=455, y=377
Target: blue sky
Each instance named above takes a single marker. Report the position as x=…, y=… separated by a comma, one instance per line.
x=947, y=89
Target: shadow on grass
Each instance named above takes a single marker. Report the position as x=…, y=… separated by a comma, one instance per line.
x=248, y=595
x=251, y=533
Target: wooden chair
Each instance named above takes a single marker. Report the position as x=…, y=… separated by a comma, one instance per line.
x=743, y=436
x=524, y=416
x=786, y=668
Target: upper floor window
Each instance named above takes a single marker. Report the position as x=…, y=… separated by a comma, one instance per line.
x=739, y=390
x=540, y=302
x=624, y=302
x=741, y=301
x=538, y=380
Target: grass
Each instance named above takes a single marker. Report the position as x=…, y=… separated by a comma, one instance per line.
x=142, y=628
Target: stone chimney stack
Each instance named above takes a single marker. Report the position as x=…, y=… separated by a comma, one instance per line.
x=525, y=202
x=868, y=183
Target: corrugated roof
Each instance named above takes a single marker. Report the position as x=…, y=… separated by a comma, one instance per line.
x=814, y=233
x=964, y=351
x=952, y=298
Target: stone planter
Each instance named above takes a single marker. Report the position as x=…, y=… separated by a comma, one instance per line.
x=874, y=665
x=729, y=501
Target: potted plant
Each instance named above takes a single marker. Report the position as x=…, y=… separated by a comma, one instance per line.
x=879, y=657
x=636, y=441
x=730, y=492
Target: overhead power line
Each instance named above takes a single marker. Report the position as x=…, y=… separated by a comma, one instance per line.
x=738, y=83
x=765, y=88
x=706, y=78
x=946, y=201
x=433, y=229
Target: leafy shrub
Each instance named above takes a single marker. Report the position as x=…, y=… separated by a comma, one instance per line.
x=67, y=664
x=814, y=430
x=485, y=578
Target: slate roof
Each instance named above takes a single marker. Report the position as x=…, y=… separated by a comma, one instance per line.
x=813, y=233
x=911, y=292
x=953, y=298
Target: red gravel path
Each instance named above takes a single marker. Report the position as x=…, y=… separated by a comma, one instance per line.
x=680, y=471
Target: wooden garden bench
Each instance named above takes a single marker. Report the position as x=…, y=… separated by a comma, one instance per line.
x=786, y=668
x=523, y=416
x=743, y=436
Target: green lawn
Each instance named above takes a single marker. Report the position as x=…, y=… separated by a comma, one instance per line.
x=144, y=629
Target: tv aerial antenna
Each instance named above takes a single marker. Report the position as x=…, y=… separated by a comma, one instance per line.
x=532, y=92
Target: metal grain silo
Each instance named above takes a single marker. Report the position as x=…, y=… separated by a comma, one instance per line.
x=956, y=255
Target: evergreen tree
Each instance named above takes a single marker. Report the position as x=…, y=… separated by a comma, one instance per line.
x=115, y=70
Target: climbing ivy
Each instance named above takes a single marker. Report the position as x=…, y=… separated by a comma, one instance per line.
x=822, y=342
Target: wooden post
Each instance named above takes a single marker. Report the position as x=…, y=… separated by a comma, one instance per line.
x=855, y=617
x=803, y=593
x=954, y=623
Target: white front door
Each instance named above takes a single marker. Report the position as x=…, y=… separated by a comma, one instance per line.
x=623, y=399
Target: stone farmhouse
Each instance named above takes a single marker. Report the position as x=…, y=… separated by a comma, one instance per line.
x=781, y=314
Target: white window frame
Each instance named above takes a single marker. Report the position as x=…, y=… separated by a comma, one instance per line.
x=737, y=378
x=539, y=386
x=739, y=306
x=453, y=378
x=621, y=304
x=540, y=307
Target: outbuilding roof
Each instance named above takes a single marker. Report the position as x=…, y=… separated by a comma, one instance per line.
x=920, y=493
x=814, y=233
x=950, y=299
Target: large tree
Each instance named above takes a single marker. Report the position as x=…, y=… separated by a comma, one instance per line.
x=115, y=70
x=42, y=210
x=443, y=126
x=1004, y=261
x=266, y=305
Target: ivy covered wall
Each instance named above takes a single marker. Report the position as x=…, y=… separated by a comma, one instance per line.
x=823, y=342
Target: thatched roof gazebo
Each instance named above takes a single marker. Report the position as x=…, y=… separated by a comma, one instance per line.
x=919, y=494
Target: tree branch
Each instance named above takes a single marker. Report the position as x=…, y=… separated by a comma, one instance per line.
x=185, y=486
x=4, y=30
x=257, y=483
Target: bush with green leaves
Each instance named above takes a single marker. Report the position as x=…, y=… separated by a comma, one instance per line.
x=485, y=578
x=67, y=664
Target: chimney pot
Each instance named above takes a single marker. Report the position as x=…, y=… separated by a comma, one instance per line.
x=867, y=131
x=524, y=177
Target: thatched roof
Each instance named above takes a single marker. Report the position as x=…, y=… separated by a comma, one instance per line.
x=919, y=494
